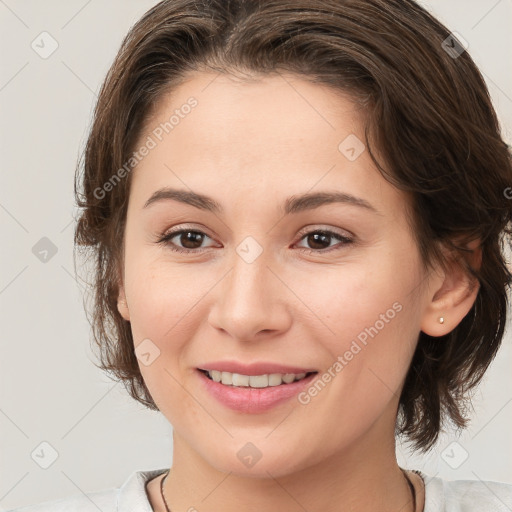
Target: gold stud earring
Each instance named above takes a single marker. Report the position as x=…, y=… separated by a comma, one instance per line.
x=441, y=320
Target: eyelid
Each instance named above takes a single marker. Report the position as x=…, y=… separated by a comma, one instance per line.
x=176, y=230
x=328, y=229
x=185, y=227
x=304, y=231
x=344, y=239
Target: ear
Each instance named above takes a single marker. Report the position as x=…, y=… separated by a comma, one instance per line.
x=453, y=294
x=122, y=306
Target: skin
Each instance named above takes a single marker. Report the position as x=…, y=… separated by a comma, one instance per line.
x=250, y=146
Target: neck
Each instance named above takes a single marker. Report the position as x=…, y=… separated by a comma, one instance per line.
x=364, y=477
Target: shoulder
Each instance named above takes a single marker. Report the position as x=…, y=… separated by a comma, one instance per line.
x=130, y=496
x=466, y=495
x=105, y=501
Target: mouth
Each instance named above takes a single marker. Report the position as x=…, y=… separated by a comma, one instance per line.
x=238, y=380
x=253, y=394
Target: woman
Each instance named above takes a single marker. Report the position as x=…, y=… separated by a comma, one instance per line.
x=297, y=212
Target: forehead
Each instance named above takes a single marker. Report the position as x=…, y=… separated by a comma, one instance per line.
x=275, y=135
x=274, y=111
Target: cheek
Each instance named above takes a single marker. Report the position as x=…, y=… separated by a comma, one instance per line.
x=163, y=318
x=160, y=294
x=373, y=324
x=367, y=313
x=165, y=311
x=151, y=309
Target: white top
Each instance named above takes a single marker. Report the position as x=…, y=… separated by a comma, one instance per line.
x=440, y=496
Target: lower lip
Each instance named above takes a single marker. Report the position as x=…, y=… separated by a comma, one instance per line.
x=254, y=400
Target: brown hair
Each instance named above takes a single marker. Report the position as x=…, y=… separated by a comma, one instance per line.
x=428, y=112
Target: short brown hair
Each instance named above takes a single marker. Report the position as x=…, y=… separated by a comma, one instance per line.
x=427, y=110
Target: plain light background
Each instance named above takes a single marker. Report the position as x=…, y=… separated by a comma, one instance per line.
x=50, y=390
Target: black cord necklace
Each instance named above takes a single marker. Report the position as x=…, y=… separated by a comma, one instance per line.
x=413, y=490
x=162, y=491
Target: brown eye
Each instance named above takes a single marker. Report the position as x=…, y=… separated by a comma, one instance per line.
x=189, y=239
x=319, y=241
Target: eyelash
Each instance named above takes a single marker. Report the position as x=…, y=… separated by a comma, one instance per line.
x=165, y=240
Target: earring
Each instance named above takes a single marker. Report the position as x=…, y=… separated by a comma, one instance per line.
x=441, y=320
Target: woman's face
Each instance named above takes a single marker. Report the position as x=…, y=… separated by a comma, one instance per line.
x=261, y=283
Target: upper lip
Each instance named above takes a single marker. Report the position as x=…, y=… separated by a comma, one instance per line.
x=261, y=368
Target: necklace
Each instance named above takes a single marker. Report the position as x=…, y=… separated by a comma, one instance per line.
x=411, y=487
x=162, y=490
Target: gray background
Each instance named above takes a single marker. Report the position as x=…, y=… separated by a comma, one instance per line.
x=50, y=391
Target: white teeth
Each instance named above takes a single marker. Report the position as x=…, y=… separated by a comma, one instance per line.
x=216, y=375
x=274, y=379
x=239, y=380
x=226, y=378
x=254, y=381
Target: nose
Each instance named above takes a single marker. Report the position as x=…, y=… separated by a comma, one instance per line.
x=251, y=301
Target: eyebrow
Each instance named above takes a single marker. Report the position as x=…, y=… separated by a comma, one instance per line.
x=293, y=204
